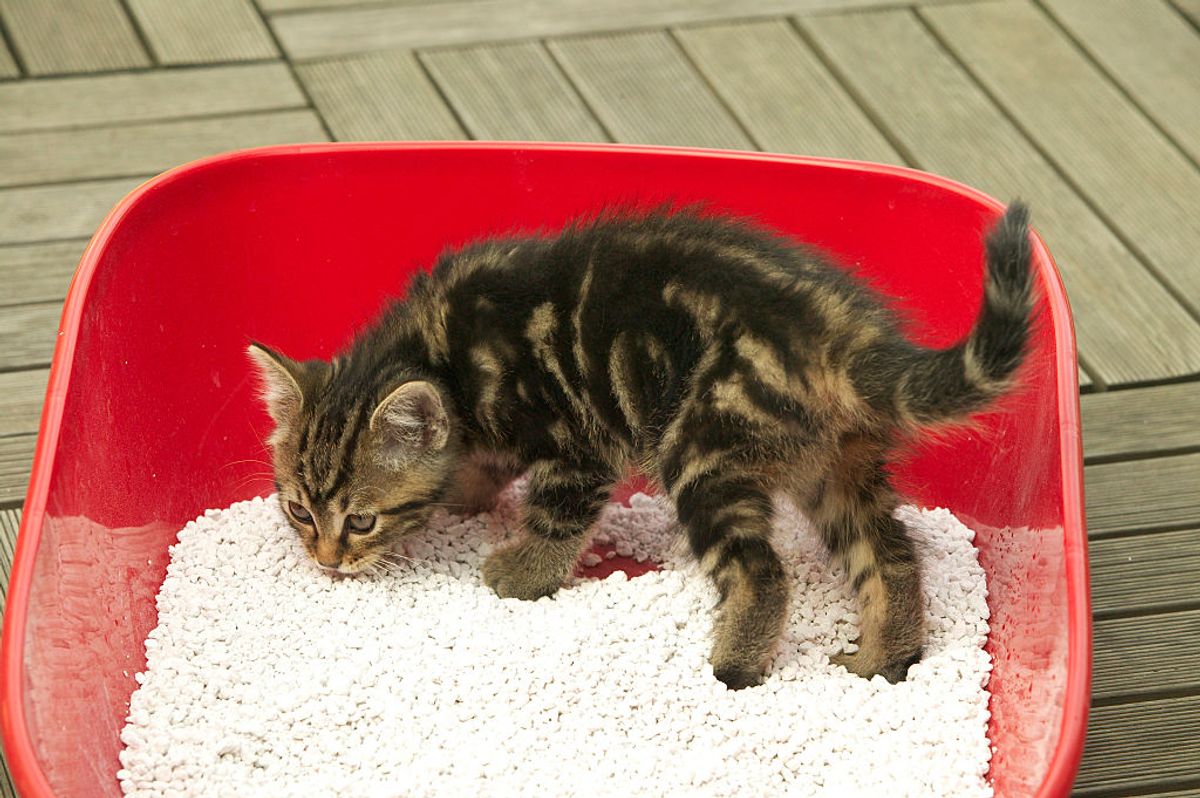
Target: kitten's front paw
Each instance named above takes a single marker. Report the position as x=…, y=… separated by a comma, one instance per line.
x=892, y=671
x=524, y=571
x=736, y=676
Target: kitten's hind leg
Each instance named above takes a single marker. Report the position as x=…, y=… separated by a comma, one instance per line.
x=853, y=510
x=562, y=502
x=728, y=521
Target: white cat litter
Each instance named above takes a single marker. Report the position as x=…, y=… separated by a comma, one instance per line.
x=266, y=677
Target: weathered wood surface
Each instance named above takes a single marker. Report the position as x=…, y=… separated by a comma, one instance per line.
x=512, y=91
x=27, y=334
x=203, y=31
x=78, y=102
x=1146, y=573
x=378, y=97
x=781, y=92
x=144, y=148
x=321, y=33
x=68, y=210
x=1150, y=655
x=642, y=88
x=1155, y=420
x=1141, y=182
x=948, y=125
x=1143, y=494
x=21, y=394
x=1130, y=746
x=63, y=36
x=16, y=455
x=1150, y=50
x=38, y=272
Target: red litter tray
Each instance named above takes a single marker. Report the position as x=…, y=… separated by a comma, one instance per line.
x=151, y=415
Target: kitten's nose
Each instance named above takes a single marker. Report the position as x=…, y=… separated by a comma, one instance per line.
x=332, y=564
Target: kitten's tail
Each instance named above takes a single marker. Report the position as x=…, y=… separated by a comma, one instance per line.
x=945, y=385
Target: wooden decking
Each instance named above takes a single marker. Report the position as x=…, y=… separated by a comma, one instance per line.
x=1089, y=109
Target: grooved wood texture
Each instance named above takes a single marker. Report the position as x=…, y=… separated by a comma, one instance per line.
x=21, y=394
x=62, y=36
x=782, y=93
x=1149, y=50
x=38, y=272
x=512, y=91
x=1132, y=745
x=1143, y=494
x=951, y=127
x=27, y=334
x=323, y=33
x=1144, y=185
x=144, y=148
x=71, y=210
x=378, y=97
x=16, y=455
x=1145, y=573
x=1158, y=419
x=1190, y=9
x=1147, y=655
x=203, y=31
x=145, y=96
x=8, y=65
x=645, y=91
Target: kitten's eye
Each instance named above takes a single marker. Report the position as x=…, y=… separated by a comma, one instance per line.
x=300, y=513
x=360, y=522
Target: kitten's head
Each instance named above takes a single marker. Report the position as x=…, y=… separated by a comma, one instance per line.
x=359, y=462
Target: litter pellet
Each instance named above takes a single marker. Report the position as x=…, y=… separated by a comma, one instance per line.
x=281, y=681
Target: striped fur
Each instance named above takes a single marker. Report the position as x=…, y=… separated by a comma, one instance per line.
x=730, y=364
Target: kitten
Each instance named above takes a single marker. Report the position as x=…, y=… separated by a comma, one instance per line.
x=727, y=362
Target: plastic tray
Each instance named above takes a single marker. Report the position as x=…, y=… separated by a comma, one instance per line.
x=150, y=414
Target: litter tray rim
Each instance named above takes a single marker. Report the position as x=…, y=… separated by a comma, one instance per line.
x=23, y=764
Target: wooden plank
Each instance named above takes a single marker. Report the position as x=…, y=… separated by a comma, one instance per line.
x=1160, y=419
x=8, y=65
x=38, y=272
x=1142, y=494
x=1132, y=746
x=16, y=457
x=1146, y=656
x=21, y=395
x=782, y=93
x=947, y=125
x=1145, y=573
x=72, y=35
x=643, y=90
x=10, y=522
x=323, y=33
x=27, y=335
x=1085, y=380
x=1190, y=9
x=145, y=96
x=1150, y=50
x=203, y=31
x=1143, y=184
x=512, y=91
x=71, y=210
x=274, y=6
x=144, y=148
x=378, y=97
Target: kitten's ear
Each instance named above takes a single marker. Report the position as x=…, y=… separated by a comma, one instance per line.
x=409, y=422
x=282, y=381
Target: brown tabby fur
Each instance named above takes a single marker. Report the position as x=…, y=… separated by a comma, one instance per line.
x=728, y=363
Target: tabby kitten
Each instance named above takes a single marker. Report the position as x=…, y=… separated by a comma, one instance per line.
x=729, y=363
